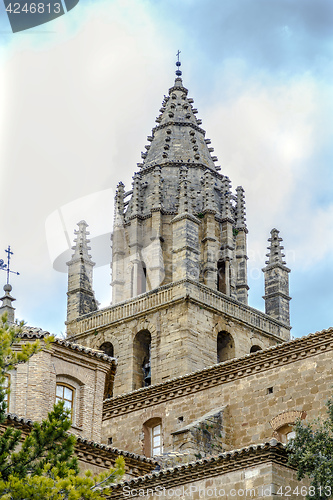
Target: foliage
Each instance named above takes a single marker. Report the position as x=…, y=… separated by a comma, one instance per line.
x=311, y=452
x=42, y=465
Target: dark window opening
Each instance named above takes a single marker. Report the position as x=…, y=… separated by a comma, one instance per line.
x=107, y=348
x=142, y=360
x=225, y=347
x=142, y=278
x=221, y=285
x=255, y=348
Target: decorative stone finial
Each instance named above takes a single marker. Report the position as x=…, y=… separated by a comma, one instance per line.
x=157, y=196
x=119, y=205
x=209, y=200
x=81, y=248
x=226, y=207
x=6, y=306
x=275, y=255
x=240, y=209
x=136, y=200
x=183, y=194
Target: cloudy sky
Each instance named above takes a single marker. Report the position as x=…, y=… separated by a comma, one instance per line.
x=79, y=95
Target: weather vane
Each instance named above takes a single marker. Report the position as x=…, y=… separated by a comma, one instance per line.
x=178, y=64
x=6, y=267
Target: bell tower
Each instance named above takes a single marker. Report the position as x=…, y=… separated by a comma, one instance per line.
x=179, y=261
x=180, y=220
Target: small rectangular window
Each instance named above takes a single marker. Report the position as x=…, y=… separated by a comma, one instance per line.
x=66, y=394
x=156, y=440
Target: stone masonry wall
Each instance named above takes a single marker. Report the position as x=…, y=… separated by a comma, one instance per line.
x=33, y=387
x=183, y=331
x=296, y=376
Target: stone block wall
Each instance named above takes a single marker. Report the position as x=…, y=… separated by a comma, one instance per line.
x=293, y=377
x=184, y=320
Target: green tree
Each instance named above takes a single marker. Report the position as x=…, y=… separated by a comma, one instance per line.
x=311, y=453
x=42, y=465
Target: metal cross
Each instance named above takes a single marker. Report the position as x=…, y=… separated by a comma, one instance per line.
x=179, y=51
x=6, y=267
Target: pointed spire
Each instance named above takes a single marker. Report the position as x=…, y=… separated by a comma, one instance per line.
x=80, y=296
x=178, y=136
x=6, y=306
x=275, y=255
x=240, y=209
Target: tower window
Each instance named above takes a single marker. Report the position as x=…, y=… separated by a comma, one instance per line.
x=66, y=393
x=156, y=440
x=225, y=347
x=142, y=360
x=221, y=284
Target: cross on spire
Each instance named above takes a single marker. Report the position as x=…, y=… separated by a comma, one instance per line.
x=6, y=267
x=178, y=64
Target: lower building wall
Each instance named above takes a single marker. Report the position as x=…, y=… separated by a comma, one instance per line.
x=299, y=383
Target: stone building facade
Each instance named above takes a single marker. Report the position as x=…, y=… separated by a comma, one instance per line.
x=203, y=384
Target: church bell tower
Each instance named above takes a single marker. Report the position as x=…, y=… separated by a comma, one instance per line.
x=179, y=261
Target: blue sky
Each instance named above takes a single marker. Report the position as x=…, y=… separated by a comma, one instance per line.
x=79, y=95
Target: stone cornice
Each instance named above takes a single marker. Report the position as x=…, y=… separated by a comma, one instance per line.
x=30, y=333
x=168, y=294
x=272, y=452
x=258, y=362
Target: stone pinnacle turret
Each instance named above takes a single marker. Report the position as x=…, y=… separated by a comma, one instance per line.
x=80, y=295
x=276, y=281
x=6, y=306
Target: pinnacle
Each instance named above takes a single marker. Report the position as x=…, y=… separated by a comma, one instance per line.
x=81, y=247
x=275, y=255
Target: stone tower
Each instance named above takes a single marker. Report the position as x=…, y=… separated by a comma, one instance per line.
x=179, y=263
x=180, y=220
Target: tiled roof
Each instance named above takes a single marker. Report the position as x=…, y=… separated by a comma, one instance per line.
x=38, y=333
x=202, y=469
x=25, y=422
